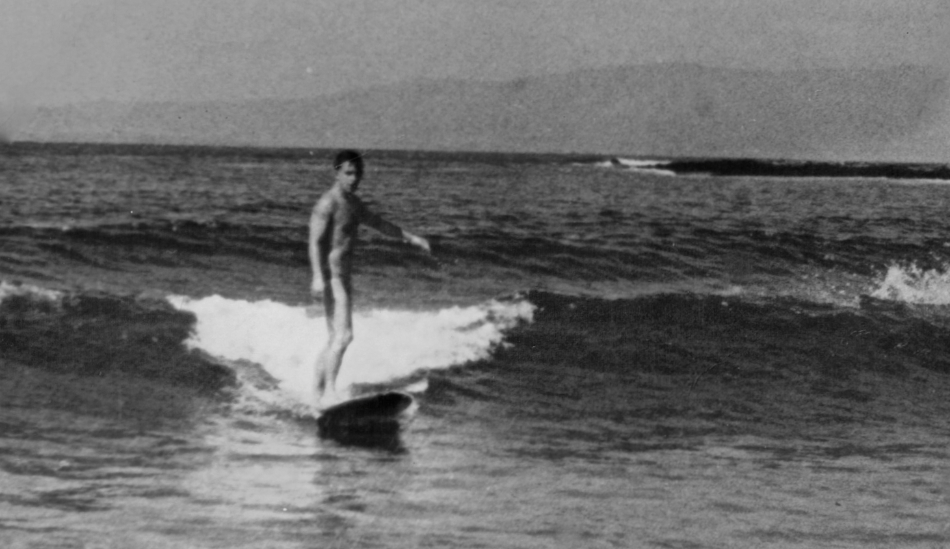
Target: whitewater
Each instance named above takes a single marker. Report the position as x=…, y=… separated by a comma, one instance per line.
x=393, y=346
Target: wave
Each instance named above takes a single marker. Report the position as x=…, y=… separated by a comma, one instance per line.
x=724, y=336
x=96, y=334
x=265, y=349
x=389, y=346
x=914, y=285
x=724, y=358
x=723, y=363
x=222, y=258
x=190, y=236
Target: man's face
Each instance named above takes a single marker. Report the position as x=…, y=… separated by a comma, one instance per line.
x=347, y=177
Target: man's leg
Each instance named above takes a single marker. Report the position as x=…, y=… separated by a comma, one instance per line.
x=322, y=368
x=341, y=334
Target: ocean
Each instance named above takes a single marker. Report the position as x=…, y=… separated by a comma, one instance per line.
x=603, y=352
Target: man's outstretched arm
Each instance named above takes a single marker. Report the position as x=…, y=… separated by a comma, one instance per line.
x=394, y=231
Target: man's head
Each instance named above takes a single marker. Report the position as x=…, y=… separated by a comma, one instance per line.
x=349, y=169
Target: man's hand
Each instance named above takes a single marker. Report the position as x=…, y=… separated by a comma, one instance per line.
x=420, y=242
x=316, y=287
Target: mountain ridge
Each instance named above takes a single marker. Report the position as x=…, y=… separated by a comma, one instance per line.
x=895, y=113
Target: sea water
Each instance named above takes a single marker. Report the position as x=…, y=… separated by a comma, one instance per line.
x=603, y=354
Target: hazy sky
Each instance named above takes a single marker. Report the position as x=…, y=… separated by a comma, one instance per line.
x=58, y=51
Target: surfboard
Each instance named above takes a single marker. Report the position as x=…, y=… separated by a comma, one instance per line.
x=372, y=414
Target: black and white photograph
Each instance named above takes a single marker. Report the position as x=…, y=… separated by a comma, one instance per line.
x=457, y=274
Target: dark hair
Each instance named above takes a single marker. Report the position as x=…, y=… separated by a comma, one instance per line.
x=353, y=157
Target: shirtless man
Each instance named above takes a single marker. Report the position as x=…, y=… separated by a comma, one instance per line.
x=333, y=226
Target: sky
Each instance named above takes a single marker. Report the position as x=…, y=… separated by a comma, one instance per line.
x=73, y=51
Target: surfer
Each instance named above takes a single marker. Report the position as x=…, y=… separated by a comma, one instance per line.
x=333, y=226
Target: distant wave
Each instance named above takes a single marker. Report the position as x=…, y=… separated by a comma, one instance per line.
x=781, y=168
x=656, y=167
x=85, y=241
x=558, y=256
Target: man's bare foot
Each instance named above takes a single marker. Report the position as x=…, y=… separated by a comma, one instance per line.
x=331, y=398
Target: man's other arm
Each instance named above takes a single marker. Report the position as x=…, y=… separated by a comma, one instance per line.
x=319, y=225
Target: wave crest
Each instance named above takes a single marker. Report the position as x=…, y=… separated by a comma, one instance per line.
x=911, y=284
x=389, y=345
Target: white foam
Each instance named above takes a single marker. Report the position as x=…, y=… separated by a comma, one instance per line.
x=654, y=167
x=388, y=344
x=910, y=284
x=7, y=290
x=633, y=163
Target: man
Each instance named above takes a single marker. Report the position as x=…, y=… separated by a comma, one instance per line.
x=333, y=226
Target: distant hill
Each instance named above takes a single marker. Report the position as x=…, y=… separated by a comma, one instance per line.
x=663, y=110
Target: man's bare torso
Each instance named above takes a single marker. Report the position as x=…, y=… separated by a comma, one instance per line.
x=335, y=246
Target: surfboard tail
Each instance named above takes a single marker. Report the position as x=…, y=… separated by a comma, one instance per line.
x=367, y=420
